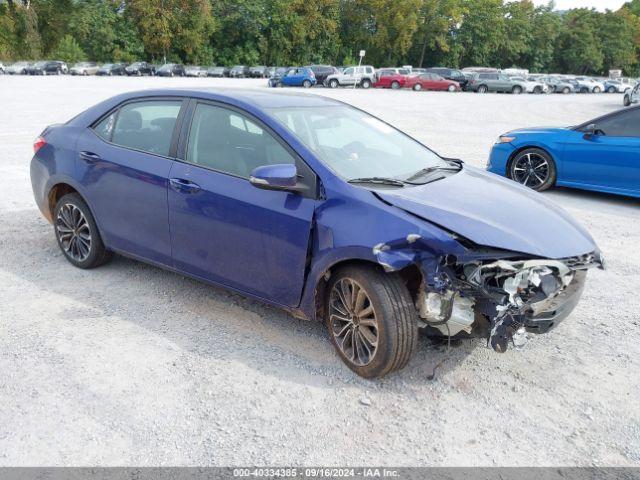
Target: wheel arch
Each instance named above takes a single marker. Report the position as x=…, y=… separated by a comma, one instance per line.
x=411, y=275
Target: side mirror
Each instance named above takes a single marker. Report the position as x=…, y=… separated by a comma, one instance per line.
x=276, y=177
x=590, y=131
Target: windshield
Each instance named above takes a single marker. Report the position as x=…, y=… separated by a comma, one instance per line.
x=356, y=145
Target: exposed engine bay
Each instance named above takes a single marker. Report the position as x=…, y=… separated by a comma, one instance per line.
x=503, y=299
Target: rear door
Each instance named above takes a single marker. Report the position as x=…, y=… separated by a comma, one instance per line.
x=610, y=159
x=225, y=230
x=124, y=163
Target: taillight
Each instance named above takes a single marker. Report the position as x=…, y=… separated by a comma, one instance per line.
x=38, y=144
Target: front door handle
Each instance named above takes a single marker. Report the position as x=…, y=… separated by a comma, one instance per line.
x=184, y=186
x=90, y=157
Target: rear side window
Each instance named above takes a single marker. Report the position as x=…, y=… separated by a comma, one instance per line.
x=230, y=142
x=146, y=126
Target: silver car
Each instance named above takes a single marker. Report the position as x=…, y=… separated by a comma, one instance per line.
x=632, y=96
x=363, y=76
x=557, y=84
x=495, y=82
x=84, y=68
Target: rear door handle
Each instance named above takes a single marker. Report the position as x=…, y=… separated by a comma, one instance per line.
x=90, y=157
x=184, y=186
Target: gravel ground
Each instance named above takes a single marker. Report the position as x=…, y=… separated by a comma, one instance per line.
x=131, y=365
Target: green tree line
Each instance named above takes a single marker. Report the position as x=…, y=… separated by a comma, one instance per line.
x=456, y=33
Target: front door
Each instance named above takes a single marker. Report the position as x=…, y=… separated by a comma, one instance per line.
x=610, y=158
x=224, y=229
x=124, y=164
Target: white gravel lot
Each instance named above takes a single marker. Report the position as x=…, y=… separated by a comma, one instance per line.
x=132, y=365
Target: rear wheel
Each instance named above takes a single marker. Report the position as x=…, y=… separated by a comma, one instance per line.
x=77, y=233
x=517, y=90
x=584, y=90
x=596, y=90
x=417, y=87
x=371, y=320
x=533, y=168
x=366, y=83
x=395, y=85
x=566, y=90
x=451, y=88
x=537, y=90
x=627, y=100
x=611, y=90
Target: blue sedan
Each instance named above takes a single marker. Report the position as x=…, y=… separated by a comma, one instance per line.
x=315, y=207
x=602, y=155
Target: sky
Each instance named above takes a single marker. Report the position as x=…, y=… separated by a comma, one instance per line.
x=599, y=4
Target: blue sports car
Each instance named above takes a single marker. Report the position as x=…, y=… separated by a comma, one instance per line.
x=602, y=154
x=315, y=207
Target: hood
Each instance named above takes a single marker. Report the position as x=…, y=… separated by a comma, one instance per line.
x=495, y=212
x=537, y=130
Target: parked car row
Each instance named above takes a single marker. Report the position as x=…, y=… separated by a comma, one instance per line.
x=474, y=79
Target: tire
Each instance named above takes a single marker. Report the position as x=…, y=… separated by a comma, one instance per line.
x=333, y=83
x=483, y=89
x=391, y=311
x=517, y=90
x=306, y=84
x=626, y=101
x=417, y=87
x=532, y=179
x=596, y=90
x=139, y=73
x=537, y=90
x=584, y=90
x=566, y=90
x=395, y=85
x=82, y=256
x=366, y=83
x=611, y=90
x=451, y=88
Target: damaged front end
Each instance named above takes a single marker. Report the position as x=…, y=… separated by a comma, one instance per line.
x=495, y=294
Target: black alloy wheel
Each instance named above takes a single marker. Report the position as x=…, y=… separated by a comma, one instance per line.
x=533, y=168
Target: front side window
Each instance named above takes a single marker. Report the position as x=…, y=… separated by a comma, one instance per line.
x=354, y=144
x=625, y=124
x=348, y=71
x=230, y=142
x=146, y=126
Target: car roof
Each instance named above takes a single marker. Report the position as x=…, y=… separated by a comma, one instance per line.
x=248, y=99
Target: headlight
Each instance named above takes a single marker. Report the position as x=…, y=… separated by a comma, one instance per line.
x=505, y=139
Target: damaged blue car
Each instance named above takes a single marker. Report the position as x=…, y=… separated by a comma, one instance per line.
x=314, y=206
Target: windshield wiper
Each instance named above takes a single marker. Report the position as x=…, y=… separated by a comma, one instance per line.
x=379, y=180
x=428, y=170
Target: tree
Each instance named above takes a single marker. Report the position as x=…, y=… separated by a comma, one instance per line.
x=69, y=50
x=578, y=47
x=436, y=35
x=482, y=32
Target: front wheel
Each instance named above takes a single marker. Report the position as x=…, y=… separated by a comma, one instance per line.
x=612, y=90
x=452, y=88
x=77, y=233
x=333, y=83
x=533, y=168
x=596, y=90
x=483, y=89
x=395, y=85
x=517, y=90
x=566, y=90
x=627, y=101
x=417, y=87
x=371, y=320
x=306, y=84
x=537, y=90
